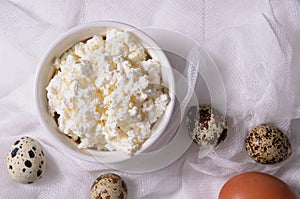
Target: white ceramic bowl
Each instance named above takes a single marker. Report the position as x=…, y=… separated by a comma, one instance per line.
x=45, y=73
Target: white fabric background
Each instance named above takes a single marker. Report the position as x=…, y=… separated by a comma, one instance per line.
x=256, y=45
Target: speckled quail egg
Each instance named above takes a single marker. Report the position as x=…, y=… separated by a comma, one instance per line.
x=267, y=145
x=26, y=162
x=207, y=127
x=109, y=185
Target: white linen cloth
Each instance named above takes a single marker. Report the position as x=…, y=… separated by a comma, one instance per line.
x=255, y=44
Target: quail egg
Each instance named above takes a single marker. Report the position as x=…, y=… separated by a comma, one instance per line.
x=26, y=162
x=109, y=185
x=267, y=145
x=207, y=126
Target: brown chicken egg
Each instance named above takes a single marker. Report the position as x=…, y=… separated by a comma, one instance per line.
x=255, y=185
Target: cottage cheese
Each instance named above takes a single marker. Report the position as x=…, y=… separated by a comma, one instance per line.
x=106, y=93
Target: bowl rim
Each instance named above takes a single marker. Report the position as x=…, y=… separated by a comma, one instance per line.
x=103, y=23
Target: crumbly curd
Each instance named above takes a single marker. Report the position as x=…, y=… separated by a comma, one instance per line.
x=107, y=93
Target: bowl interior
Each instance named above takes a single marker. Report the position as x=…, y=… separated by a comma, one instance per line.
x=46, y=71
